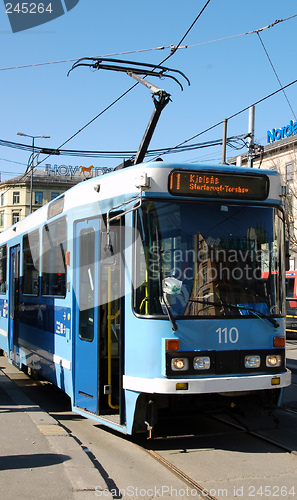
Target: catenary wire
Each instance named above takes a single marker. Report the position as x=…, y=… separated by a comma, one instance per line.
x=123, y=94
x=167, y=150
x=233, y=142
x=134, y=85
x=274, y=70
x=162, y=47
x=173, y=50
x=232, y=116
x=128, y=90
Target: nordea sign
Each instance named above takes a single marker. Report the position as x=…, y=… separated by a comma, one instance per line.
x=281, y=133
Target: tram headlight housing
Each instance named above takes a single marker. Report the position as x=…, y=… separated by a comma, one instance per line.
x=273, y=360
x=201, y=363
x=252, y=361
x=179, y=364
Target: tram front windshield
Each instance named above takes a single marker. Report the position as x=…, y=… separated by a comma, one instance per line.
x=202, y=260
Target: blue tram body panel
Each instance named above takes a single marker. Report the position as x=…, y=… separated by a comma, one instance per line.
x=156, y=287
x=45, y=340
x=3, y=324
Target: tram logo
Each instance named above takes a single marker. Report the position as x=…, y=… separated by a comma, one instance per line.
x=23, y=16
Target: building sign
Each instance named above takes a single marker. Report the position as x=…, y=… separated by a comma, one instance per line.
x=218, y=185
x=69, y=171
x=280, y=133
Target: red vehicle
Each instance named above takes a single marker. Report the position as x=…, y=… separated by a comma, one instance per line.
x=291, y=300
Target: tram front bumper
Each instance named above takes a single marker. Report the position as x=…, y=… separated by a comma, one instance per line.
x=222, y=384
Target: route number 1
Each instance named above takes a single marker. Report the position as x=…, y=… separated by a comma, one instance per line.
x=226, y=335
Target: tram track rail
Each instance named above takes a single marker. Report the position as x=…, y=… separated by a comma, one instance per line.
x=196, y=489
x=256, y=434
x=291, y=410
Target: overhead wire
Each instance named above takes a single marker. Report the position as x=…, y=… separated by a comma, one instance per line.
x=162, y=47
x=122, y=95
x=232, y=116
x=134, y=85
x=274, y=70
x=235, y=142
x=173, y=50
x=12, y=161
x=166, y=150
x=179, y=147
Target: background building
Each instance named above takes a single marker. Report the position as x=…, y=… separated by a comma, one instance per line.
x=280, y=155
x=15, y=194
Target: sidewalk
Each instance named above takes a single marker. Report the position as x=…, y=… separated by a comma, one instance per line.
x=38, y=458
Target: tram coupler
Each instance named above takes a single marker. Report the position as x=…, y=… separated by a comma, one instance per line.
x=149, y=429
x=149, y=422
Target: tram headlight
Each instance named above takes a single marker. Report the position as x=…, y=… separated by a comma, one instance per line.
x=252, y=361
x=179, y=364
x=273, y=360
x=201, y=363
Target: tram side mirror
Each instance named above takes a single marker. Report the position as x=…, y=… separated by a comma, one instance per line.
x=108, y=249
x=287, y=256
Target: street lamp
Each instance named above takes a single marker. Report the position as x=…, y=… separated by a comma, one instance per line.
x=33, y=137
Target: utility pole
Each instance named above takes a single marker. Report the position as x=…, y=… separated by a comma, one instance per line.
x=225, y=121
x=33, y=137
x=251, y=136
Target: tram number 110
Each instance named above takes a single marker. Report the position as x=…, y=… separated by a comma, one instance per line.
x=228, y=335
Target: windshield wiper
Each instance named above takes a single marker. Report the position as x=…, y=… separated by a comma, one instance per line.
x=257, y=313
x=162, y=298
x=163, y=302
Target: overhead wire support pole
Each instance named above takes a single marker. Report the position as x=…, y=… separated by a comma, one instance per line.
x=251, y=136
x=224, y=144
x=33, y=137
x=31, y=178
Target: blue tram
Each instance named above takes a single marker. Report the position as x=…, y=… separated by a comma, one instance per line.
x=154, y=289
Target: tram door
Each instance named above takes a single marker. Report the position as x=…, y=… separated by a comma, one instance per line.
x=14, y=279
x=111, y=319
x=87, y=310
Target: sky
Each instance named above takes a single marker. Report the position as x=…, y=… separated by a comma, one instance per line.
x=228, y=71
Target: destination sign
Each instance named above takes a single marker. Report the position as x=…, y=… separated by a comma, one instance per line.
x=56, y=207
x=218, y=185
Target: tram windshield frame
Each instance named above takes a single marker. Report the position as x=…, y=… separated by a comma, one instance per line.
x=203, y=260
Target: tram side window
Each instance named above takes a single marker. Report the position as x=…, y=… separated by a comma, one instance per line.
x=3, y=267
x=54, y=246
x=31, y=263
x=86, y=283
